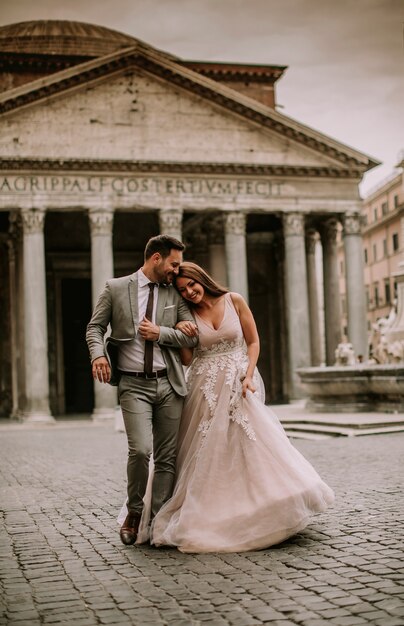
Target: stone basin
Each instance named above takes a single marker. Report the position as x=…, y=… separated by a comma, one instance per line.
x=354, y=388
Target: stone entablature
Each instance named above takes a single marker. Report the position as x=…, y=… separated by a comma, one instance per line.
x=66, y=190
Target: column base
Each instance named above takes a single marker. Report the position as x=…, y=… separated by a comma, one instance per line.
x=103, y=415
x=37, y=417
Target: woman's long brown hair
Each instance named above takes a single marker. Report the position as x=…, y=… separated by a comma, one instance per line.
x=195, y=272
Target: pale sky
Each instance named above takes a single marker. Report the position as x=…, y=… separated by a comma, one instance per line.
x=345, y=76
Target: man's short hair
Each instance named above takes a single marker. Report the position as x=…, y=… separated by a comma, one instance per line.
x=162, y=244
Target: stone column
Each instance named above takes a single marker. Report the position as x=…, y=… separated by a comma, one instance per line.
x=314, y=313
x=297, y=305
x=102, y=268
x=332, y=299
x=355, y=285
x=14, y=317
x=236, y=252
x=171, y=222
x=35, y=319
x=320, y=294
x=217, y=252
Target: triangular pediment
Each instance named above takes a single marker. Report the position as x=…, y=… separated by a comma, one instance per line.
x=142, y=105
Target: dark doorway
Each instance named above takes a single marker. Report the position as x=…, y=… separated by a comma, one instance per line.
x=76, y=312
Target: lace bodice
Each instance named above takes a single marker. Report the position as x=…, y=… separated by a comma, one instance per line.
x=221, y=360
x=228, y=337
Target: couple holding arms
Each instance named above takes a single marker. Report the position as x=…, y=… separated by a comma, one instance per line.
x=224, y=476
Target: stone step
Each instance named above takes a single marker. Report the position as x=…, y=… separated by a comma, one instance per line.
x=298, y=434
x=338, y=431
x=352, y=422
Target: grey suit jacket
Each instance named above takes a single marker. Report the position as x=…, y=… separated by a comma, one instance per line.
x=118, y=306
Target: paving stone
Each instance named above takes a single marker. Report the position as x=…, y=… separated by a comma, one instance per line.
x=61, y=561
x=347, y=621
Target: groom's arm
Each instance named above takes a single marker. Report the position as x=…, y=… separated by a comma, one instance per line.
x=172, y=338
x=167, y=336
x=97, y=326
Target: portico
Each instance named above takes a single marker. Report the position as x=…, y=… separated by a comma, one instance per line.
x=246, y=188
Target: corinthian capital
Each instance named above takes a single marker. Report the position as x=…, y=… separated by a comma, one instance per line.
x=293, y=224
x=235, y=223
x=329, y=230
x=101, y=222
x=352, y=224
x=171, y=222
x=311, y=240
x=33, y=221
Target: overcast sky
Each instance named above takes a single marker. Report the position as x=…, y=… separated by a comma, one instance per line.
x=346, y=62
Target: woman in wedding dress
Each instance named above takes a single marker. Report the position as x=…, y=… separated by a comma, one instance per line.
x=240, y=484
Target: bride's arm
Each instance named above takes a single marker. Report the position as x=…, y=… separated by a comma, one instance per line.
x=190, y=329
x=251, y=337
x=186, y=355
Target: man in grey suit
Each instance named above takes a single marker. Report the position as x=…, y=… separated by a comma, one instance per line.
x=141, y=356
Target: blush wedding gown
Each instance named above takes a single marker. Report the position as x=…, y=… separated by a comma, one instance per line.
x=240, y=484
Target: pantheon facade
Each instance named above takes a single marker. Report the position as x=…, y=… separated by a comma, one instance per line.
x=107, y=141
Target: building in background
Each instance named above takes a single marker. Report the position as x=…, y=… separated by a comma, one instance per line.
x=107, y=141
x=383, y=249
x=383, y=244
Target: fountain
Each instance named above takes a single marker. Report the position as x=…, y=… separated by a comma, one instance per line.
x=351, y=386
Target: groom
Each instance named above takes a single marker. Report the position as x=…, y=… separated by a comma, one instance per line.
x=141, y=357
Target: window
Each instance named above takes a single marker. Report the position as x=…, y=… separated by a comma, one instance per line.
x=385, y=208
x=365, y=252
x=395, y=201
x=341, y=268
x=387, y=294
x=375, y=214
x=376, y=292
x=384, y=247
x=374, y=253
x=395, y=242
x=365, y=220
x=368, y=300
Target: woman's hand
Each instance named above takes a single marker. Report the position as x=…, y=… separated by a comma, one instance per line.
x=188, y=328
x=248, y=384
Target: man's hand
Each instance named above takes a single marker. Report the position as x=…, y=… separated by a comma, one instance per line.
x=188, y=328
x=101, y=370
x=148, y=330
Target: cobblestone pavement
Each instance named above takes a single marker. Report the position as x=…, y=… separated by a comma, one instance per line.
x=62, y=562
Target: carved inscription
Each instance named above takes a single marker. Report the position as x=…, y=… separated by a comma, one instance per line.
x=130, y=185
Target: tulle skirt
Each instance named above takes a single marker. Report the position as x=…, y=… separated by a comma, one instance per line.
x=240, y=484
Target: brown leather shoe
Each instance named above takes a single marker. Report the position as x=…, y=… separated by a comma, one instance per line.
x=129, y=528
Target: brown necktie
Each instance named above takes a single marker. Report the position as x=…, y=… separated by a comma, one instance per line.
x=148, y=345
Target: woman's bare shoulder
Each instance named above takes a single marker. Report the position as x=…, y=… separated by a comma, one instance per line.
x=237, y=299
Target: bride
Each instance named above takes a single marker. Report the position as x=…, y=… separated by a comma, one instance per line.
x=240, y=484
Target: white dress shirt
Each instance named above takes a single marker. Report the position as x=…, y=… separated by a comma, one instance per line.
x=131, y=353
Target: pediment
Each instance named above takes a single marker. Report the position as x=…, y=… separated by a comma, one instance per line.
x=141, y=105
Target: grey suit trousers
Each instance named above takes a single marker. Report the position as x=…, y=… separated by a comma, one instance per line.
x=151, y=411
